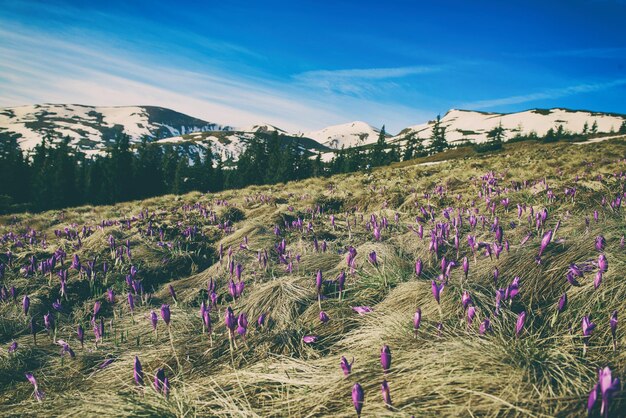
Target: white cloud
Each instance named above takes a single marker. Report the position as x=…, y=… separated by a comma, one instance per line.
x=547, y=94
x=40, y=67
x=361, y=80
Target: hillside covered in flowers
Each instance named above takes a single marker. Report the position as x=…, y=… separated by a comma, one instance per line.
x=490, y=285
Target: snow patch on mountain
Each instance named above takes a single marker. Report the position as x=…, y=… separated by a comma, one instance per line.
x=345, y=135
x=467, y=125
x=93, y=127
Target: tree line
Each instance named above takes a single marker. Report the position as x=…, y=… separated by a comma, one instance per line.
x=55, y=176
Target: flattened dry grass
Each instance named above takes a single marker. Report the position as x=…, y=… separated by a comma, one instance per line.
x=452, y=371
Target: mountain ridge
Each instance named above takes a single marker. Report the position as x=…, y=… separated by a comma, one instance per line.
x=92, y=128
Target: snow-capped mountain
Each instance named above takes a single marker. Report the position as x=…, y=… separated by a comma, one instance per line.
x=346, y=135
x=264, y=128
x=90, y=128
x=473, y=126
x=230, y=144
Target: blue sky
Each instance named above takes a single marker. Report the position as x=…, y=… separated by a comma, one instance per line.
x=303, y=65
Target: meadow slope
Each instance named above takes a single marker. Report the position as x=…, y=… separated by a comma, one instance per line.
x=275, y=240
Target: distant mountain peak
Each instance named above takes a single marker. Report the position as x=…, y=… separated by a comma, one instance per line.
x=93, y=127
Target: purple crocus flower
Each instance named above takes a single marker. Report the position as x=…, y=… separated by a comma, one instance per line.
x=111, y=296
x=362, y=310
x=324, y=317
x=242, y=324
x=358, y=397
x=65, y=348
x=345, y=366
x=230, y=320
x=372, y=257
x=471, y=313
x=598, y=280
x=417, y=320
x=154, y=319
x=591, y=400
x=385, y=391
x=341, y=280
x=39, y=395
x=547, y=237
x=385, y=358
x=466, y=299
x=48, y=321
x=318, y=281
x=418, y=267
x=600, y=243
x=159, y=378
x=172, y=292
x=437, y=289
x=96, y=308
x=603, y=263
x=166, y=314
x=608, y=387
x=587, y=326
x=521, y=320
x=484, y=327
x=562, y=302
x=13, y=347
x=309, y=339
x=138, y=372
x=262, y=319
x=131, y=302
x=26, y=304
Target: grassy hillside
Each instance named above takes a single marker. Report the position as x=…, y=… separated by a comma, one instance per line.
x=281, y=236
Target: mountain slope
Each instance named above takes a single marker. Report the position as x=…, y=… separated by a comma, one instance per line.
x=345, y=135
x=462, y=125
x=92, y=127
x=230, y=144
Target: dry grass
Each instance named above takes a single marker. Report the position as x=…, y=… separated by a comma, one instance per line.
x=449, y=372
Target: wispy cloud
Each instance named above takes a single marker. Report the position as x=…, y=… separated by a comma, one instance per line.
x=545, y=95
x=39, y=67
x=361, y=80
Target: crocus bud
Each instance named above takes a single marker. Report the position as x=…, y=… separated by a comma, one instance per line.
x=165, y=314
x=138, y=372
x=598, y=280
x=613, y=323
x=385, y=358
x=345, y=366
x=373, y=258
x=230, y=320
x=26, y=304
x=131, y=302
x=521, y=320
x=358, y=397
x=437, y=289
x=385, y=392
x=318, y=281
x=417, y=320
x=154, y=319
x=466, y=299
x=418, y=267
x=603, y=263
x=471, y=313
x=324, y=317
x=562, y=302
